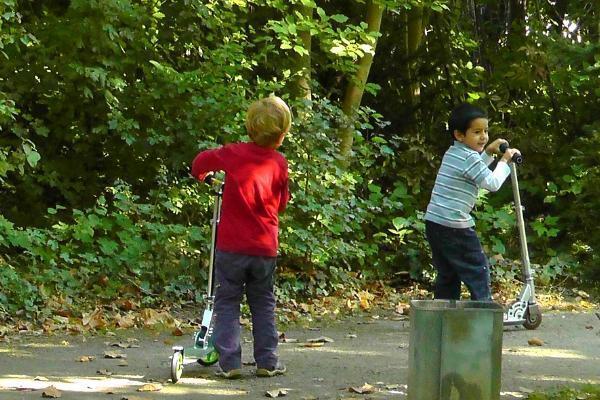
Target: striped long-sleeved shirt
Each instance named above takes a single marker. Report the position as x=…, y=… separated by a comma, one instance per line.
x=462, y=173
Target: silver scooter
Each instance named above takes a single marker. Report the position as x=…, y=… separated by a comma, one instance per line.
x=525, y=310
x=203, y=350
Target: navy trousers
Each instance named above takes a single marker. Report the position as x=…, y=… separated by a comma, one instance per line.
x=236, y=273
x=458, y=256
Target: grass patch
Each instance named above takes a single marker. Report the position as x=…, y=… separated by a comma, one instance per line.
x=587, y=392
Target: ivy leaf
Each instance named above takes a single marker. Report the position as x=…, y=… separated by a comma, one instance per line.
x=32, y=156
x=341, y=18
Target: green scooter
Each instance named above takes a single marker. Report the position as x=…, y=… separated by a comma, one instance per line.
x=203, y=350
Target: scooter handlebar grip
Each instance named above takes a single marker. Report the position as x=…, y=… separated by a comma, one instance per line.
x=208, y=179
x=516, y=158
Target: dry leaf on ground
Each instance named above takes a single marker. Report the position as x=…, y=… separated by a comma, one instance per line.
x=94, y=320
x=276, y=393
x=124, y=321
x=177, y=332
x=86, y=358
x=321, y=339
x=51, y=392
x=150, y=387
x=364, y=389
x=313, y=344
x=122, y=345
x=151, y=317
x=534, y=341
x=114, y=354
x=104, y=372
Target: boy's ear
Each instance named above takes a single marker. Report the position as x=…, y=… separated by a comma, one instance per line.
x=458, y=135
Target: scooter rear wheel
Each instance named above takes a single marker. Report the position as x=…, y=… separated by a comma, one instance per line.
x=210, y=358
x=533, y=318
x=176, y=366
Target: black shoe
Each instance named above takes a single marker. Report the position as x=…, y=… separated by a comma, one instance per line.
x=279, y=369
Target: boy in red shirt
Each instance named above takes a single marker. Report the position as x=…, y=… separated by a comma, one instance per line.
x=255, y=191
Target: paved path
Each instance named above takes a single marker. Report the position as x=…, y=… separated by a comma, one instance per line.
x=363, y=351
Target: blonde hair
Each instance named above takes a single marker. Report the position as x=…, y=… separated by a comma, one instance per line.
x=267, y=119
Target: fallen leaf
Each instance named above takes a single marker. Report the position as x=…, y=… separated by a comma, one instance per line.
x=40, y=378
x=322, y=339
x=351, y=336
x=124, y=345
x=364, y=389
x=151, y=317
x=74, y=328
x=313, y=344
x=365, y=299
x=276, y=393
x=589, y=327
x=150, y=387
x=104, y=372
x=123, y=363
x=64, y=313
x=114, y=354
x=94, y=320
x=177, y=332
x=51, y=392
x=124, y=321
x=127, y=305
x=86, y=358
x=535, y=342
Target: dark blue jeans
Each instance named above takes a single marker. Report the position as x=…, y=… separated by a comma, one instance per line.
x=235, y=273
x=458, y=256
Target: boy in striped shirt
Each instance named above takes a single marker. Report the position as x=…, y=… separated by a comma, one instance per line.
x=456, y=250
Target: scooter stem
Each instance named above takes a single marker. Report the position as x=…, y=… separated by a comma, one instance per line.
x=213, y=240
x=526, y=271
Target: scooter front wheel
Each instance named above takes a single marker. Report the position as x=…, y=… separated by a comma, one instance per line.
x=176, y=365
x=533, y=318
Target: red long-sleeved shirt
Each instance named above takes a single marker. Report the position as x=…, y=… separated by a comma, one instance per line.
x=256, y=190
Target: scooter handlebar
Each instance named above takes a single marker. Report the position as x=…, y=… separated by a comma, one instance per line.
x=516, y=158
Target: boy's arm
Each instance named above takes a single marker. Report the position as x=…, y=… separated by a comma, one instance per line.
x=207, y=161
x=487, y=158
x=285, y=193
x=477, y=171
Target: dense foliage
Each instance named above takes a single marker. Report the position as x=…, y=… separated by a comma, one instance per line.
x=104, y=103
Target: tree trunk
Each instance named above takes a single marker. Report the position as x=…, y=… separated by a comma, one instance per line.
x=415, y=22
x=302, y=88
x=356, y=86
